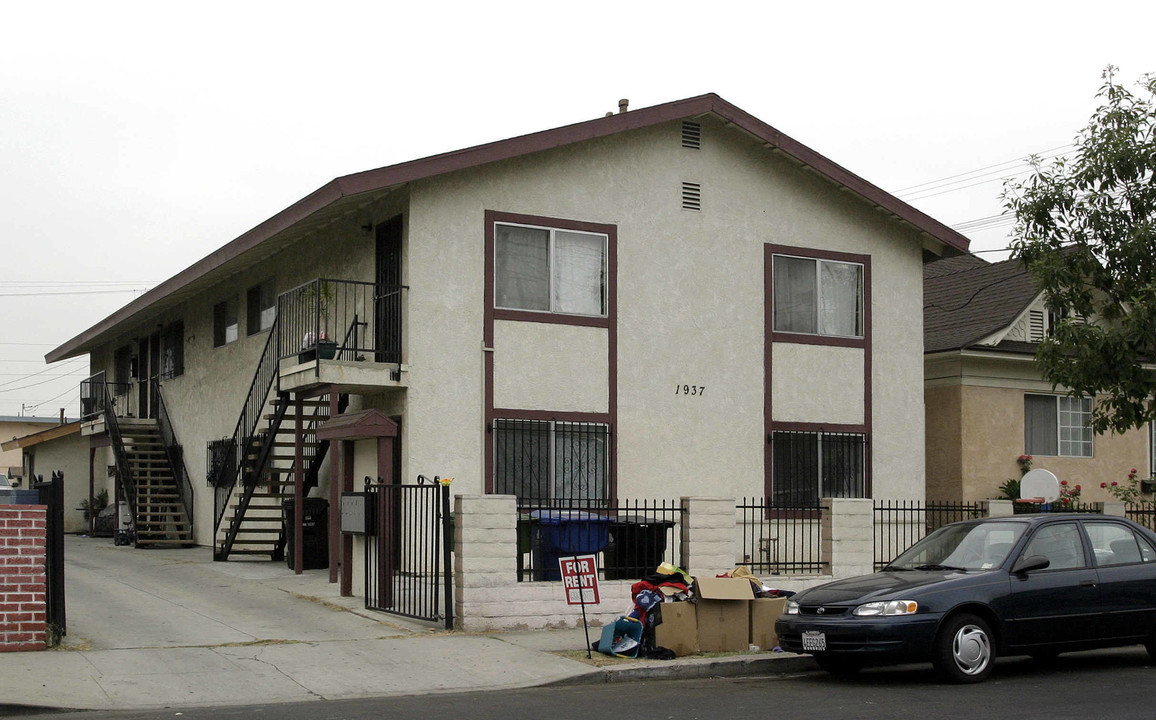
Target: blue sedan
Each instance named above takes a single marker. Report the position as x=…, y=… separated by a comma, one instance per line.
x=1028, y=585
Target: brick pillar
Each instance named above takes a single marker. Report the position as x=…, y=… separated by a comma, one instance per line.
x=485, y=553
x=998, y=508
x=22, y=577
x=849, y=536
x=708, y=535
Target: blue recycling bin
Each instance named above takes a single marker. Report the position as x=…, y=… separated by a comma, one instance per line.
x=562, y=533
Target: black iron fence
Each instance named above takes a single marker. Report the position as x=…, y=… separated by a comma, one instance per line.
x=327, y=319
x=899, y=524
x=1021, y=507
x=407, y=552
x=632, y=537
x=1143, y=513
x=781, y=539
x=52, y=495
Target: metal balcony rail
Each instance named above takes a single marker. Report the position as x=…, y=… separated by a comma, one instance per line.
x=329, y=319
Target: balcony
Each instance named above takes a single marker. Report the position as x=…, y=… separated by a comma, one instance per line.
x=340, y=332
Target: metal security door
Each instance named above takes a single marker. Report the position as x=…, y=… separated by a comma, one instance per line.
x=407, y=558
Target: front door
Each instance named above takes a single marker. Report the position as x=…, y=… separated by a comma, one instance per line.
x=387, y=294
x=148, y=361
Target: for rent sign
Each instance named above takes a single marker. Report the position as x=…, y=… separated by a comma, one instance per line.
x=580, y=579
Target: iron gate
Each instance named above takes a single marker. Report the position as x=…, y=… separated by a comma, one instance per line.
x=407, y=555
x=51, y=494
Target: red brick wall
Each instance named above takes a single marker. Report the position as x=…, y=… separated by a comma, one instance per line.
x=22, y=577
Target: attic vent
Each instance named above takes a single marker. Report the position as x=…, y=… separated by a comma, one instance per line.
x=1035, y=325
x=691, y=196
x=691, y=134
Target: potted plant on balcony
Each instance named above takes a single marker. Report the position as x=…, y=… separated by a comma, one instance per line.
x=318, y=296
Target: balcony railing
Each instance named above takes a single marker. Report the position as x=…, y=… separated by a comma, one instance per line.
x=98, y=394
x=327, y=319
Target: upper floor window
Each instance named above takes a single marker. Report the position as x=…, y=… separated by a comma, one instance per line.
x=1057, y=425
x=225, y=326
x=260, y=307
x=549, y=270
x=818, y=297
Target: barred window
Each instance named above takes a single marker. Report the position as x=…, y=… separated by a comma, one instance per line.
x=806, y=466
x=546, y=462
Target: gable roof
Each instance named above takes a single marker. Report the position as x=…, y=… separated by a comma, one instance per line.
x=339, y=195
x=965, y=301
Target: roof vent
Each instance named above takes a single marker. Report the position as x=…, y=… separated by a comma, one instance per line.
x=623, y=104
x=1035, y=325
x=691, y=134
x=691, y=196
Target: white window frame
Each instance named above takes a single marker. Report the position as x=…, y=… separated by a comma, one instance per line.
x=1060, y=400
x=551, y=265
x=819, y=262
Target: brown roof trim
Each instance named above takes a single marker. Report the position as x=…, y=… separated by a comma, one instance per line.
x=42, y=436
x=381, y=178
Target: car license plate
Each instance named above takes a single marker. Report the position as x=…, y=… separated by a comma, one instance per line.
x=814, y=641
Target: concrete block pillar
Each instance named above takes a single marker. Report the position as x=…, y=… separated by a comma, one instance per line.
x=998, y=508
x=1113, y=507
x=849, y=536
x=486, y=547
x=708, y=535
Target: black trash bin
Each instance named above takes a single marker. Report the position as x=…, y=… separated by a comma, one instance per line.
x=314, y=533
x=637, y=546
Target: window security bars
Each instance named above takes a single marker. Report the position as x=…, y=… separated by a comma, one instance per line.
x=546, y=462
x=631, y=537
x=781, y=540
x=327, y=319
x=899, y=524
x=806, y=466
x=407, y=554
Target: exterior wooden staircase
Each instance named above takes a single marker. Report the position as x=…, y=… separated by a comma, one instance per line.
x=253, y=524
x=160, y=518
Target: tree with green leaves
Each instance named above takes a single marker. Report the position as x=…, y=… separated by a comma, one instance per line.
x=1086, y=231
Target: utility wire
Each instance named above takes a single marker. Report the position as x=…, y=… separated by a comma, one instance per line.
x=32, y=375
x=1016, y=161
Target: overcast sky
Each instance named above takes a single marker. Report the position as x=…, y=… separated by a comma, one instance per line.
x=136, y=138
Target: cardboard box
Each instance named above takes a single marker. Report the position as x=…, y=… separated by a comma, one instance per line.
x=724, y=620
x=764, y=613
x=679, y=629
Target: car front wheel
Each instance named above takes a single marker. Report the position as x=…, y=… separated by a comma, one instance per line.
x=964, y=650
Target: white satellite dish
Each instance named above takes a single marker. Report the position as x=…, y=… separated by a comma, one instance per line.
x=1039, y=483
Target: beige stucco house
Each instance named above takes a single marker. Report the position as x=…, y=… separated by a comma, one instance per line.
x=986, y=401
x=677, y=300
x=44, y=446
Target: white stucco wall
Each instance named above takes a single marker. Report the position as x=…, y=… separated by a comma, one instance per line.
x=691, y=311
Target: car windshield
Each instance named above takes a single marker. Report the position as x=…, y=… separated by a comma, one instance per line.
x=963, y=546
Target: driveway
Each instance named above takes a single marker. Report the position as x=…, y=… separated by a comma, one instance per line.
x=120, y=597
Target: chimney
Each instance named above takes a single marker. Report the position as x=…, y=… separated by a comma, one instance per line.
x=622, y=105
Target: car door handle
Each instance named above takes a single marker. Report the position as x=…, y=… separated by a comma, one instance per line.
x=1088, y=583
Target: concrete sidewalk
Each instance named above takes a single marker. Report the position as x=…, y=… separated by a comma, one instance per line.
x=170, y=628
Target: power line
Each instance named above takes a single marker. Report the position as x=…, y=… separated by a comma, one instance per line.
x=1016, y=161
x=75, y=292
x=32, y=375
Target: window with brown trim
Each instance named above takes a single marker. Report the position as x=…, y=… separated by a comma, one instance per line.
x=260, y=307
x=806, y=466
x=815, y=296
x=547, y=269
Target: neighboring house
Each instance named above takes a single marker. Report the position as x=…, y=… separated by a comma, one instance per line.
x=14, y=426
x=986, y=400
x=677, y=300
x=59, y=448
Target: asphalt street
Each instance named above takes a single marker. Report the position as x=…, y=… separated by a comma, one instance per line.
x=1110, y=683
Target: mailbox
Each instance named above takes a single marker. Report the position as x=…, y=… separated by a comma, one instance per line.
x=358, y=514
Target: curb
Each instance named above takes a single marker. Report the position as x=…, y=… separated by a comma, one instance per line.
x=691, y=668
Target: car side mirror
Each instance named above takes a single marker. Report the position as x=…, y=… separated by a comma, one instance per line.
x=1027, y=564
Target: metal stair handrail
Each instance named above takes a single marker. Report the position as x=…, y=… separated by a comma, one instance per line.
x=123, y=467
x=174, y=451
x=263, y=379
